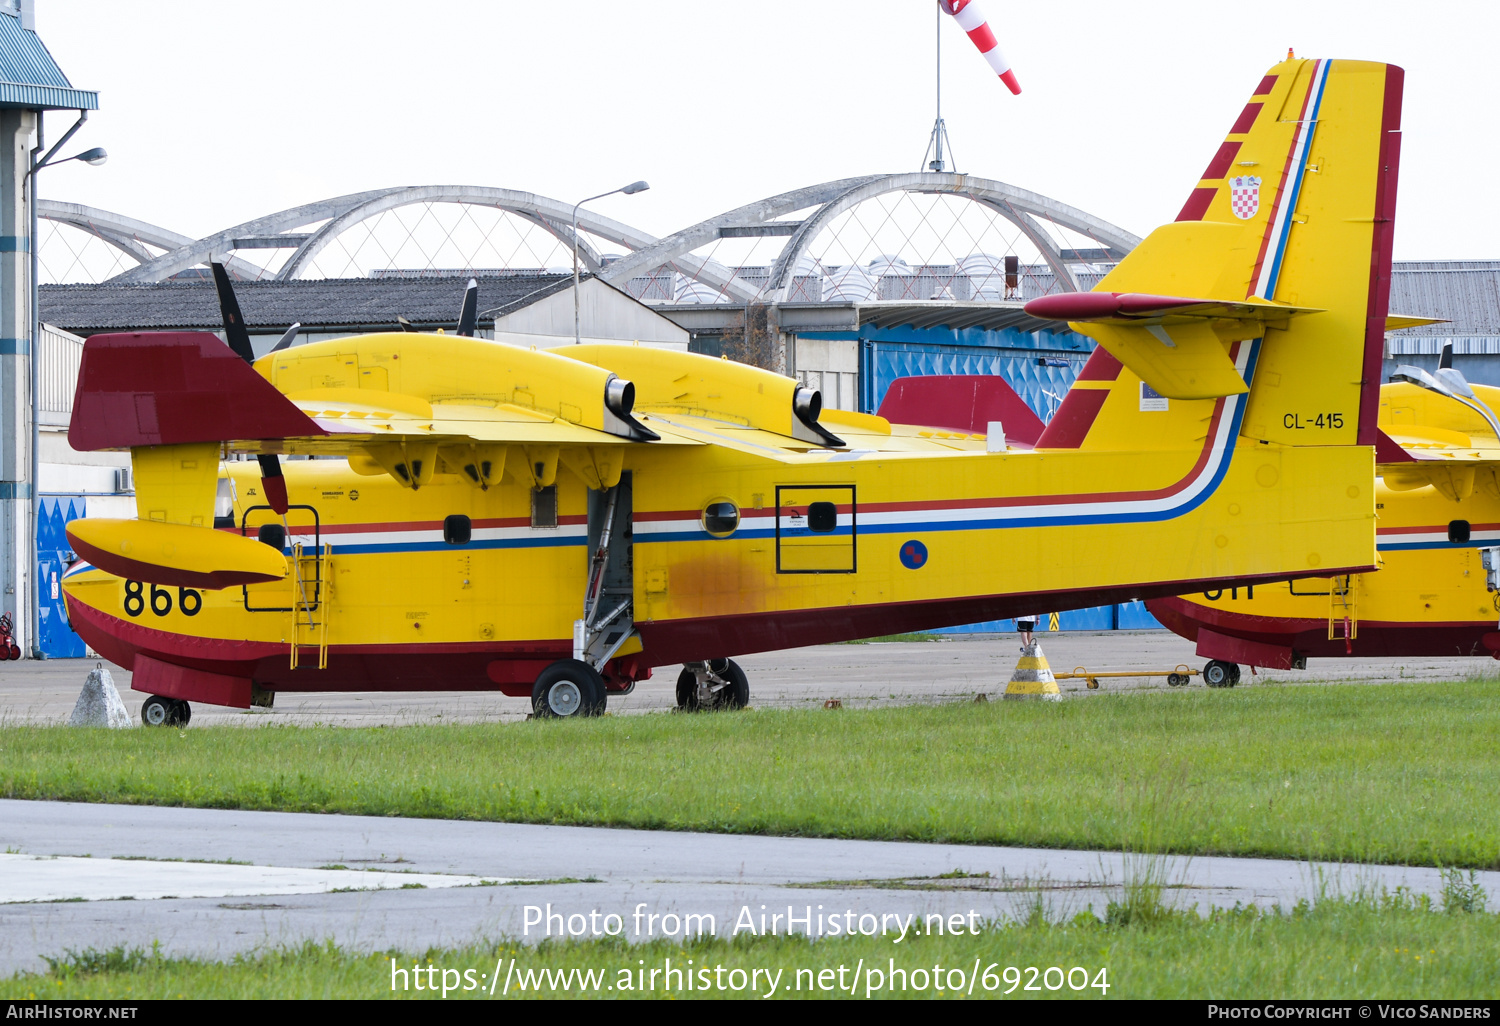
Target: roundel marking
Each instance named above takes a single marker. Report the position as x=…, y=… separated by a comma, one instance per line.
x=913, y=555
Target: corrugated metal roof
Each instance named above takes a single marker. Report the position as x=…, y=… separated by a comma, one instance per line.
x=1466, y=293
x=366, y=304
x=29, y=77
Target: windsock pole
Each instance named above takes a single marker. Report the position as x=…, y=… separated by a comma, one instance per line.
x=972, y=20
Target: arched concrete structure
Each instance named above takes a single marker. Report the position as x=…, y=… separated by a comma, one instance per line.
x=553, y=215
x=1018, y=206
x=124, y=233
x=647, y=253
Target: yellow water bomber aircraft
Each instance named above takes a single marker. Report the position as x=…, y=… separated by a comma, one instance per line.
x=555, y=524
x=1438, y=535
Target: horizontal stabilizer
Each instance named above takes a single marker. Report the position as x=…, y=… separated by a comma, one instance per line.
x=1138, y=308
x=1176, y=344
x=1397, y=322
x=961, y=402
x=170, y=388
x=175, y=554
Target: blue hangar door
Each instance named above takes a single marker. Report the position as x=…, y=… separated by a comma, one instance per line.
x=53, y=554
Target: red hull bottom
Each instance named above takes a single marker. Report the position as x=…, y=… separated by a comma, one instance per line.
x=512, y=667
x=1216, y=630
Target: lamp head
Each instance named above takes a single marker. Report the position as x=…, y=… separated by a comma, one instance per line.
x=635, y=187
x=93, y=157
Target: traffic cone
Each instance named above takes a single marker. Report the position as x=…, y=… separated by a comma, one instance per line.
x=1033, y=677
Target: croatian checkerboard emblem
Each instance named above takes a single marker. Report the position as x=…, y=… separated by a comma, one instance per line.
x=1244, y=196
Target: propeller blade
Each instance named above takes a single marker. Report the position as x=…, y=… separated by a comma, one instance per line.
x=288, y=338
x=468, y=320
x=406, y=325
x=234, y=321
x=1446, y=360
x=272, y=483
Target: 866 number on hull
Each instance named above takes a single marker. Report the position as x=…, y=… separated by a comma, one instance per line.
x=189, y=600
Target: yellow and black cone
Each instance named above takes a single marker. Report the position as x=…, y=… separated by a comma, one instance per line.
x=1033, y=677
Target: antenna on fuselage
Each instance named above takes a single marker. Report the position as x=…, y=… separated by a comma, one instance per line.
x=287, y=338
x=468, y=317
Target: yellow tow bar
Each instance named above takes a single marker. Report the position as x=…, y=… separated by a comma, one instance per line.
x=1175, y=678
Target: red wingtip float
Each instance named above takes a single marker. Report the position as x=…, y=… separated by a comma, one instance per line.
x=972, y=20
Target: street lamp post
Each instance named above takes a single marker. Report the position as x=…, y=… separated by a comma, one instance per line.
x=93, y=157
x=629, y=190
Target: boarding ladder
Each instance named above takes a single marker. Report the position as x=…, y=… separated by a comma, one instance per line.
x=1343, y=611
x=310, y=606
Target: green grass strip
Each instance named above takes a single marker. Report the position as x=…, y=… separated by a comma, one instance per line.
x=1361, y=950
x=1392, y=773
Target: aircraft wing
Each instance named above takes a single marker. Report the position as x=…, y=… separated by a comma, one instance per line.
x=352, y=425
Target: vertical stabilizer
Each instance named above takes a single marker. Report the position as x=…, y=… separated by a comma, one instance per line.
x=1284, y=247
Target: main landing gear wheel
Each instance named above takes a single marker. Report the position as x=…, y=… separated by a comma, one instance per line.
x=165, y=712
x=568, y=688
x=727, y=687
x=1219, y=674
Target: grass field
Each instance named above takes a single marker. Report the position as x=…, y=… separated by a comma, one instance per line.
x=1390, y=948
x=1391, y=773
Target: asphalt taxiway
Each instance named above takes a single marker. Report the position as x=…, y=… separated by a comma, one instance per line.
x=269, y=879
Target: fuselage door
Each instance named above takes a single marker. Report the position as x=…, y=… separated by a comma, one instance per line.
x=816, y=527
x=299, y=530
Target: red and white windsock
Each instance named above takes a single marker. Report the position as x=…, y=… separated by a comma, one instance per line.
x=972, y=20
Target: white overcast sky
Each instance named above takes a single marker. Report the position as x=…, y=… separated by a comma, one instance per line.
x=217, y=112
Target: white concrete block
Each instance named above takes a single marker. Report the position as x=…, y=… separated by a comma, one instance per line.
x=100, y=705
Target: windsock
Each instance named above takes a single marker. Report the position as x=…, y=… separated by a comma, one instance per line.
x=972, y=20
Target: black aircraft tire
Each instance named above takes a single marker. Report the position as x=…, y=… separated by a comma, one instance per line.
x=182, y=712
x=687, y=691
x=734, y=695
x=1234, y=674
x=157, y=711
x=737, y=694
x=1219, y=674
x=566, y=689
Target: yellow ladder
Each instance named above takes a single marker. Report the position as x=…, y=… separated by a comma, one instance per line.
x=310, y=601
x=1343, y=611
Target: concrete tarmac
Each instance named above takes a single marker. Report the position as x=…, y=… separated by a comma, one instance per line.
x=954, y=668
x=583, y=873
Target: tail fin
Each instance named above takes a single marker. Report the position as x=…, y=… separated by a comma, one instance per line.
x=1284, y=246
x=963, y=402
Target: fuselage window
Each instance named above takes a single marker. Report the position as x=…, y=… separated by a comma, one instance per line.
x=544, y=506
x=720, y=518
x=822, y=517
x=457, y=529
